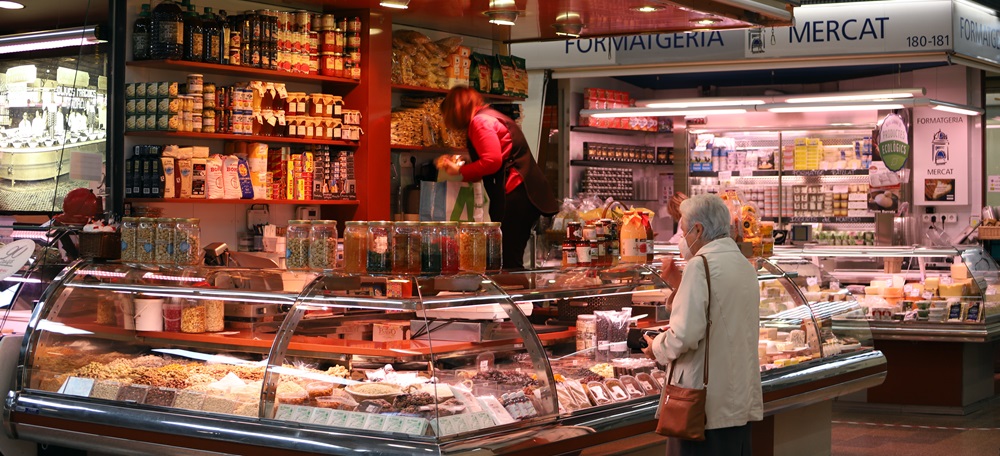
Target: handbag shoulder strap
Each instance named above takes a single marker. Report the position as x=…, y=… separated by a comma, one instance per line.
x=708, y=316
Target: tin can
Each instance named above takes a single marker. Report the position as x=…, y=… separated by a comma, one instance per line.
x=353, y=40
x=354, y=25
x=302, y=21
x=327, y=21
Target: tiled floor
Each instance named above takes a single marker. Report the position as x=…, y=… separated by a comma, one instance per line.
x=897, y=434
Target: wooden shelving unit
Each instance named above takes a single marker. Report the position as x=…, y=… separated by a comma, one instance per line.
x=243, y=201
x=215, y=68
x=232, y=137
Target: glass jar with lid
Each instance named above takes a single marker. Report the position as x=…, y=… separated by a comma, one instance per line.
x=355, y=247
x=145, y=240
x=406, y=248
x=128, y=230
x=164, y=253
x=494, y=247
x=297, y=244
x=430, y=248
x=448, y=231
x=472, y=247
x=187, y=242
x=379, y=248
x=193, y=314
x=323, y=245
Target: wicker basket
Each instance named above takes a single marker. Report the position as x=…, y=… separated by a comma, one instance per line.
x=989, y=233
x=101, y=246
x=569, y=310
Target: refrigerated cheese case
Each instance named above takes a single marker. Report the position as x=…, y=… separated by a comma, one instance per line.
x=236, y=360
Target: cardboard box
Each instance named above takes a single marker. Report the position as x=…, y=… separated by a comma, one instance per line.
x=390, y=331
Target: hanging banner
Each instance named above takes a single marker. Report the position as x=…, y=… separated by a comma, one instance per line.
x=940, y=158
x=893, y=145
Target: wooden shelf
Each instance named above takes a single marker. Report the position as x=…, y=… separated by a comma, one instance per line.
x=232, y=137
x=827, y=172
x=215, y=68
x=616, y=131
x=433, y=91
x=242, y=201
x=613, y=163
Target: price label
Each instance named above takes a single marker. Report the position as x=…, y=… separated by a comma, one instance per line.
x=834, y=285
x=946, y=281
x=840, y=189
x=908, y=290
x=928, y=295
x=812, y=281
x=725, y=176
x=888, y=283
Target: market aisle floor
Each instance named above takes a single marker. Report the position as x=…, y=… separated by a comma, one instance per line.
x=858, y=433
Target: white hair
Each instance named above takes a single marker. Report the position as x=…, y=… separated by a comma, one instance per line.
x=711, y=212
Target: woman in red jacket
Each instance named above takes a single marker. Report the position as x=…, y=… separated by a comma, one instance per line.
x=500, y=157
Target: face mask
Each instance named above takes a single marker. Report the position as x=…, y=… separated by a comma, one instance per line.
x=685, y=248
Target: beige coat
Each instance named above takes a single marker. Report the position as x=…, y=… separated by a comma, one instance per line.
x=734, y=396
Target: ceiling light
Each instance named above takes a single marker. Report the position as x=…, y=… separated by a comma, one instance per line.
x=502, y=17
x=698, y=103
x=570, y=30
x=839, y=108
x=647, y=8
x=50, y=39
x=610, y=113
x=395, y=4
x=862, y=95
x=949, y=107
x=10, y=5
x=706, y=21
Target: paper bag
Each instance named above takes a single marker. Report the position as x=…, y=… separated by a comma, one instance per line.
x=454, y=201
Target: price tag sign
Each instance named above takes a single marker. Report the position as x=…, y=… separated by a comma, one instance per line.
x=834, y=285
x=812, y=281
x=908, y=290
x=14, y=256
x=725, y=176
x=888, y=283
x=928, y=295
x=946, y=281
x=840, y=189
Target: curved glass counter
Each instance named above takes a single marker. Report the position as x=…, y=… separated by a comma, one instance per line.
x=338, y=363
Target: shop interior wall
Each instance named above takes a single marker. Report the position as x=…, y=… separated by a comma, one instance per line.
x=992, y=154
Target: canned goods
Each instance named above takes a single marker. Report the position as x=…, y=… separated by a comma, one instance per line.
x=353, y=40
x=327, y=22
x=312, y=45
x=195, y=83
x=354, y=25
x=302, y=21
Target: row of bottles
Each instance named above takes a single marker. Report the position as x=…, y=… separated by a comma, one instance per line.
x=296, y=42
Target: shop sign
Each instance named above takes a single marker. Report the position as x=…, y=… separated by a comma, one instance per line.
x=575, y=53
x=977, y=32
x=857, y=28
x=893, y=145
x=940, y=177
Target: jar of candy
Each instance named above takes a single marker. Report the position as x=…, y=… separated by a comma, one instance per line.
x=379, y=248
x=494, y=247
x=193, y=314
x=187, y=242
x=430, y=248
x=448, y=231
x=297, y=244
x=128, y=230
x=323, y=245
x=355, y=247
x=472, y=247
x=164, y=253
x=406, y=248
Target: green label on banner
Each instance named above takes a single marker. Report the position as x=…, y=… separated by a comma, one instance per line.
x=893, y=145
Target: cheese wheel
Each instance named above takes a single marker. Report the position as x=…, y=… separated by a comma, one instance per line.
x=873, y=291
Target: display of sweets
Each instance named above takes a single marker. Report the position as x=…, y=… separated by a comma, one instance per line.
x=163, y=241
x=813, y=154
x=258, y=108
x=619, y=152
x=845, y=237
x=290, y=41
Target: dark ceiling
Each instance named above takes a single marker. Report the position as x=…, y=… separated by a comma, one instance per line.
x=767, y=77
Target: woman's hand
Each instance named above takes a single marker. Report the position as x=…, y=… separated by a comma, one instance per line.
x=448, y=164
x=671, y=273
x=648, y=351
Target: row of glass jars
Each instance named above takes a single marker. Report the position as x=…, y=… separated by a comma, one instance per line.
x=311, y=244
x=164, y=241
x=425, y=248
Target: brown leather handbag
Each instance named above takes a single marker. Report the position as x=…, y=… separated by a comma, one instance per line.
x=682, y=410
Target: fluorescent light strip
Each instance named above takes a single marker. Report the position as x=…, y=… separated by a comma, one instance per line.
x=10, y=5
x=837, y=108
x=51, y=39
x=694, y=103
x=666, y=113
x=395, y=4
x=871, y=95
x=955, y=109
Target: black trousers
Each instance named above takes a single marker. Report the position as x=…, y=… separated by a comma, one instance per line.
x=731, y=441
x=519, y=218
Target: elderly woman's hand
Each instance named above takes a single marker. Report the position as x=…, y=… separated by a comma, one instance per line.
x=648, y=351
x=671, y=272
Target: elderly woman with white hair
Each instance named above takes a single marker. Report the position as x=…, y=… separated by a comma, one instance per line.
x=729, y=326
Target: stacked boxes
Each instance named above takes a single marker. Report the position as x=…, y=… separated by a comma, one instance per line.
x=459, y=63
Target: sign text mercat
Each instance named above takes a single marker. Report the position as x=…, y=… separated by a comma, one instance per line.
x=646, y=42
x=833, y=30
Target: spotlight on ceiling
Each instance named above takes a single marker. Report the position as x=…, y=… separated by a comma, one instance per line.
x=568, y=30
x=502, y=17
x=648, y=8
x=10, y=5
x=395, y=4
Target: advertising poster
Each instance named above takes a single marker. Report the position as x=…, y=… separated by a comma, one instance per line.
x=940, y=158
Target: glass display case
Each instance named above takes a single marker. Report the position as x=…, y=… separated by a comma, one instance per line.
x=946, y=294
x=338, y=363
